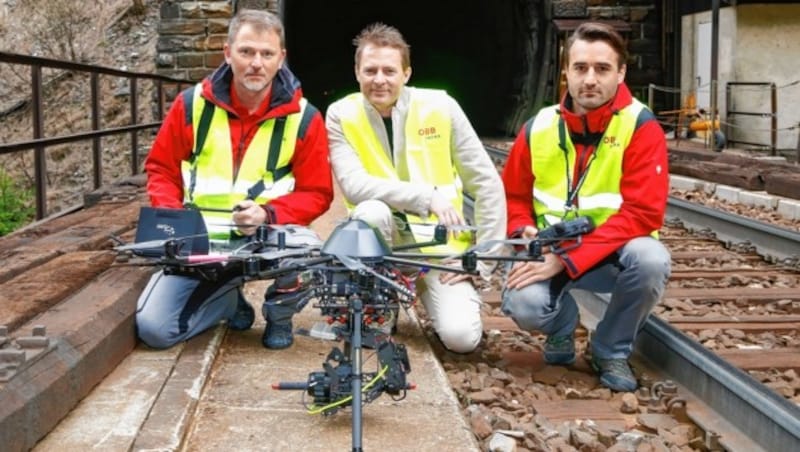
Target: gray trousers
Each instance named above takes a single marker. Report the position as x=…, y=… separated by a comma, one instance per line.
x=174, y=308
x=635, y=277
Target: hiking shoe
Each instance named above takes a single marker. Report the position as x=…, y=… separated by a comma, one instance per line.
x=615, y=374
x=559, y=350
x=278, y=335
x=243, y=317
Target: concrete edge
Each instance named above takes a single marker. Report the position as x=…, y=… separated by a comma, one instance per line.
x=172, y=412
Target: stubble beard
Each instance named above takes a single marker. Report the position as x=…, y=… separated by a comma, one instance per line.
x=254, y=86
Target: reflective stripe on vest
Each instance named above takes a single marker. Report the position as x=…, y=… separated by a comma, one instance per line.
x=208, y=177
x=599, y=195
x=427, y=137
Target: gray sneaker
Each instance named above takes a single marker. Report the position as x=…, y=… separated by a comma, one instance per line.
x=615, y=374
x=559, y=350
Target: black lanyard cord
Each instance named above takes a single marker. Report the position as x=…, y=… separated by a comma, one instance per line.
x=572, y=193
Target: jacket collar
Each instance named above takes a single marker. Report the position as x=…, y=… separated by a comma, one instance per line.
x=284, y=98
x=596, y=120
x=400, y=106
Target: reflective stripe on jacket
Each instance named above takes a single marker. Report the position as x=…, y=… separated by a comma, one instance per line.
x=208, y=176
x=428, y=160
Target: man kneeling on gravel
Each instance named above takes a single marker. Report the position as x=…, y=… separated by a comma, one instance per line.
x=599, y=154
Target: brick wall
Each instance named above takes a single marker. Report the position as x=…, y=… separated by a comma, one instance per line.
x=192, y=33
x=644, y=39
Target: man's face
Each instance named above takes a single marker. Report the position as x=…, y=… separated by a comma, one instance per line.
x=593, y=74
x=381, y=76
x=255, y=58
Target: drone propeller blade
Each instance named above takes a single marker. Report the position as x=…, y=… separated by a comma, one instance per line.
x=140, y=245
x=451, y=228
x=487, y=246
x=462, y=228
x=150, y=244
x=352, y=263
x=233, y=225
x=279, y=254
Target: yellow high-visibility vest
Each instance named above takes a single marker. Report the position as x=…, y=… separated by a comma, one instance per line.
x=428, y=160
x=553, y=159
x=208, y=176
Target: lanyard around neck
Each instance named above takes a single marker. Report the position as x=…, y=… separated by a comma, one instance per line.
x=572, y=193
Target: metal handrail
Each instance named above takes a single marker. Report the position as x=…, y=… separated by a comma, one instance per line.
x=39, y=142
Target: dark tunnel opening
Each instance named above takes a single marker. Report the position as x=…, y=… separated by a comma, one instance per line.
x=484, y=53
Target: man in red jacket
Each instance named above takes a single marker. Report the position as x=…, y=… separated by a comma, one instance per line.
x=600, y=154
x=244, y=141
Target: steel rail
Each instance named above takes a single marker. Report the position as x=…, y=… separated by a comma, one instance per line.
x=759, y=413
x=746, y=414
x=773, y=243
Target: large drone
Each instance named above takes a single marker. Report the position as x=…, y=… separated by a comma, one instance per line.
x=357, y=282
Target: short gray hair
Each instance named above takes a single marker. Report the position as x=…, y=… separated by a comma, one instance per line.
x=260, y=20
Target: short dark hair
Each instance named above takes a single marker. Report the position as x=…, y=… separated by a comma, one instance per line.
x=382, y=35
x=260, y=20
x=598, y=31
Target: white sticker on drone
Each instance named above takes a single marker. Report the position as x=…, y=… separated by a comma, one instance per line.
x=167, y=228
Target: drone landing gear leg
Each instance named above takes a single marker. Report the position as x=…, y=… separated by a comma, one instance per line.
x=355, y=357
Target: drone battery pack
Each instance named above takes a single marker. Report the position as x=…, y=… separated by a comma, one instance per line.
x=184, y=225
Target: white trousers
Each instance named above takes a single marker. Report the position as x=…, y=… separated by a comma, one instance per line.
x=454, y=310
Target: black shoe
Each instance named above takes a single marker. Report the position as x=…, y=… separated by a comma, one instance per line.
x=278, y=335
x=244, y=316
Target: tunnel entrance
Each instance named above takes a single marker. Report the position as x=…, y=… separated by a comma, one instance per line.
x=484, y=53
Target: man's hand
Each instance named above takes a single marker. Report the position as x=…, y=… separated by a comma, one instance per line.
x=248, y=216
x=526, y=273
x=445, y=212
x=530, y=232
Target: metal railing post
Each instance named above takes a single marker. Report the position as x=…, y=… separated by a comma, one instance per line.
x=774, y=132
x=160, y=100
x=39, y=160
x=97, y=157
x=134, y=134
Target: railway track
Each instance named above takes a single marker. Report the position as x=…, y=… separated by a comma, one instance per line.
x=725, y=333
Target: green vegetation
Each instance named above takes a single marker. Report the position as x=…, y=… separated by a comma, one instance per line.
x=16, y=208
